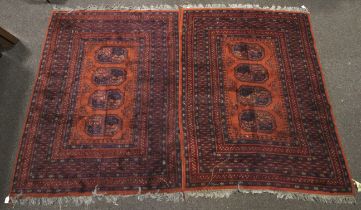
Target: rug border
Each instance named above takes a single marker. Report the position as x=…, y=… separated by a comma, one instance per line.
x=333, y=197
x=354, y=190
x=28, y=106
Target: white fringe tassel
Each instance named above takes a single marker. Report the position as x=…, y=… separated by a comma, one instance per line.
x=118, y=6
x=358, y=185
x=174, y=197
x=248, y=6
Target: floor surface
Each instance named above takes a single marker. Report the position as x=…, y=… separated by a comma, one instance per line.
x=337, y=28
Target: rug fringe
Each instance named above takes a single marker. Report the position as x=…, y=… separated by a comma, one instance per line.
x=174, y=197
x=302, y=8
x=119, y=6
x=358, y=185
x=336, y=199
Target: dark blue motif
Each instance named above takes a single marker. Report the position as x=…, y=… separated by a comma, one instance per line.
x=257, y=121
x=106, y=99
x=99, y=125
x=254, y=96
x=111, y=54
x=251, y=73
x=109, y=76
x=248, y=51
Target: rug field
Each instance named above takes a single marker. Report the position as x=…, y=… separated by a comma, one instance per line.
x=179, y=103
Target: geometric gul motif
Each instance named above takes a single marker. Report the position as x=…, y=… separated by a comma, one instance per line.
x=253, y=90
x=107, y=125
x=252, y=120
x=106, y=83
x=106, y=99
x=109, y=76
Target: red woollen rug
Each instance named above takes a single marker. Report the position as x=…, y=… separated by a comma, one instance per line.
x=177, y=103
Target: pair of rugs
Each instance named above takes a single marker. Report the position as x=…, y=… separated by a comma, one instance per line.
x=177, y=101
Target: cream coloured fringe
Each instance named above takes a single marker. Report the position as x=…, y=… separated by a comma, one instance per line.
x=174, y=197
x=175, y=7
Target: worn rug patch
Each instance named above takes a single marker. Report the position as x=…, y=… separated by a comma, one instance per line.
x=176, y=101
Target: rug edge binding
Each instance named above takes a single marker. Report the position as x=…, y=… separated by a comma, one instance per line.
x=302, y=8
x=173, y=197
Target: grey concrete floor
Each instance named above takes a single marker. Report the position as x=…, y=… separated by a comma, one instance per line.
x=337, y=27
